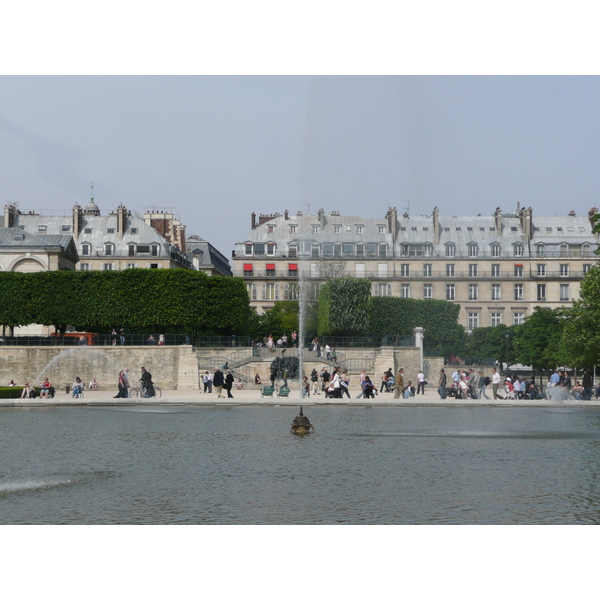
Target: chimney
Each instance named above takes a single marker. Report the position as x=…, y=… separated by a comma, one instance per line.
x=437, y=231
x=253, y=215
x=121, y=220
x=392, y=219
x=286, y=215
x=525, y=216
x=321, y=215
x=77, y=221
x=10, y=214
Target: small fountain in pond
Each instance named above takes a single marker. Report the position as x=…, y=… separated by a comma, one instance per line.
x=301, y=425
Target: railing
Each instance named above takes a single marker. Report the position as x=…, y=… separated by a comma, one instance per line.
x=97, y=339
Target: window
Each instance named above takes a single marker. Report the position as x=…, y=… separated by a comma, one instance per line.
x=382, y=250
x=110, y=230
x=372, y=249
x=518, y=291
x=360, y=249
x=248, y=272
x=450, y=291
x=473, y=291
x=496, y=250
x=586, y=268
x=327, y=249
x=86, y=249
x=513, y=229
x=405, y=271
x=449, y=270
x=88, y=230
x=292, y=270
x=270, y=291
x=107, y=267
x=427, y=290
x=450, y=250
x=585, y=250
x=271, y=249
x=469, y=229
x=482, y=229
x=381, y=228
x=259, y=249
x=564, y=292
x=348, y=228
x=427, y=270
x=405, y=290
x=293, y=228
x=19, y=237
x=133, y=231
x=314, y=251
x=492, y=229
x=314, y=229
x=559, y=229
x=541, y=270
x=314, y=269
x=564, y=270
x=130, y=266
x=154, y=250
x=518, y=318
x=540, y=250
x=154, y=265
x=290, y=291
x=359, y=229
x=359, y=270
x=337, y=249
x=337, y=229
x=140, y=250
x=564, y=250
x=518, y=250
x=496, y=293
x=446, y=228
x=495, y=270
x=130, y=250
x=270, y=228
x=108, y=249
x=518, y=270
x=495, y=319
x=65, y=228
x=382, y=270
x=84, y=266
x=541, y=292
x=251, y=288
x=42, y=227
x=270, y=270
x=472, y=321
x=472, y=270
x=248, y=250
x=457, y=228
x=413, y=228
x=473, y=250
x=348, y=249
x=383, y=289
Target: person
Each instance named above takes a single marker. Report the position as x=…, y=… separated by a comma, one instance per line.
x=272, y=378
x=147, y=384
x=122, y=387
x=285, y=378
x=93, y=384
x=239, y=385
x=363, y=375
x=481, y=384
x=207, y=381
x=228, y=384
x=384, y=380
x=314, y=378
x=325, y=377
x=218, y=381
x=126, y=382
x=368, y=388
x=344, y=383
x=11, y=384
x=335, y=383
x=421, y=382
x=113, y=336
x=472, y=381
x=399, y=383
x=77, y=387
x=587, y=385
x=257, y=380
x=305, y=387
x=45, y=388
x=122, y=337
x=294, y=339
x=161, y=340
x=442, y=384
x=284, y=340
x=151, y=341
x=577, y=391
x=27, y=391
x=554, y=379
x=333, y=355
x=495, y=384
x=567, y=381
x=409, y=390
x=327, y=351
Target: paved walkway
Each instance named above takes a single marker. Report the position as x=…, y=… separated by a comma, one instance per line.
x=253, y=397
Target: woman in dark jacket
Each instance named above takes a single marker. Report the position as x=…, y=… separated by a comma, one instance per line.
x=228, y=384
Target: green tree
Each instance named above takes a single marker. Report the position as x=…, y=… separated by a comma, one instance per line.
x=344, y=305
x=491, y=342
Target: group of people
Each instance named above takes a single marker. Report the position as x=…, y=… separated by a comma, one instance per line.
x=145, y=381
x=220, y=381
x=327, y=352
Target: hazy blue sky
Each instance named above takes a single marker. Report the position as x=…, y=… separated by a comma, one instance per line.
x=214, y=149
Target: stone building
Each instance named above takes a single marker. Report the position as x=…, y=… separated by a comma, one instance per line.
x=497, y=268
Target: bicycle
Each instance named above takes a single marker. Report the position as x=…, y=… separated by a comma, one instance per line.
x=139, y=391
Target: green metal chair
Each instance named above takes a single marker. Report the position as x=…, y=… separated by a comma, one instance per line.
x=267, y=391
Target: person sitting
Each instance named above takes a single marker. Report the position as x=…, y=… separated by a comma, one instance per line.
x=11, y=384
x=77, y=387
x=45, y=389
x=367, y=387
x=27, y=392
x=93, y=384
x=257, y=379
x=409, y=390
x=239, y=385
x=577, y=391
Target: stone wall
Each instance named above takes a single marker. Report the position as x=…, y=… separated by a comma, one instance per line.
x=169, y=365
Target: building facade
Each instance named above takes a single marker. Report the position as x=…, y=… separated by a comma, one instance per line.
x=496, y=268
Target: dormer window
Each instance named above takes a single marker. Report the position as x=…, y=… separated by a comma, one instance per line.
x=110, y=230
x=87, y=230
x=108, y=249
x=359, y=229
x=133, y=231
x=270, y=228
x=337, y=229
x=65, y=228
x=381, y=228
x=314, y=229
x=293, y=228
x=42, y=228
x=86, y=249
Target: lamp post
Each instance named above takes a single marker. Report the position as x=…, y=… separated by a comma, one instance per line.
x=507, y=335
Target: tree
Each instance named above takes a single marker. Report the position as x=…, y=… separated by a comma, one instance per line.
x=491, y=342
x=344, y=305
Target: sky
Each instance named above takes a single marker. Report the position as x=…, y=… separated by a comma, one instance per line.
x=213, y=149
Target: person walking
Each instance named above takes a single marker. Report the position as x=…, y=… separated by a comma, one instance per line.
x=147, y=384
x=229, y=379
x=587, y=385
x=314, y=378
x=481, y=384
x=207, y=382
x=218, y=381
x=495, y=384
x=121, y=384
x=442, y=384
x=399, y=383
x=345, y=383
x=285, y=378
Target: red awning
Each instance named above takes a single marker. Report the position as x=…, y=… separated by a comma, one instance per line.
x=518, y=265
x=247, y=267
x=292, y=267
x=270, y=267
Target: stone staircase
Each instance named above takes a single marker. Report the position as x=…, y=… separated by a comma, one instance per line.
x=187, y=376
x=386, y=358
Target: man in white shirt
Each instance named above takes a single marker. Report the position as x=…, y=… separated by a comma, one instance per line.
x=495, y=384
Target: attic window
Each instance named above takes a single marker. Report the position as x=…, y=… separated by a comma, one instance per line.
x=549, y=229
x=482, y=229
x=492, y=229
x=458, y=229
x=559, y=229
x=270, y=228
x=65, y=228
x=446, y=228
x=87, y=230
x=42, y=227
x=18, y=237
x=469, y=229
x=133, y=230
x=425, y=228
x=402, y=228
x=414, y=228
x=513, y=229
x=110, y=230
